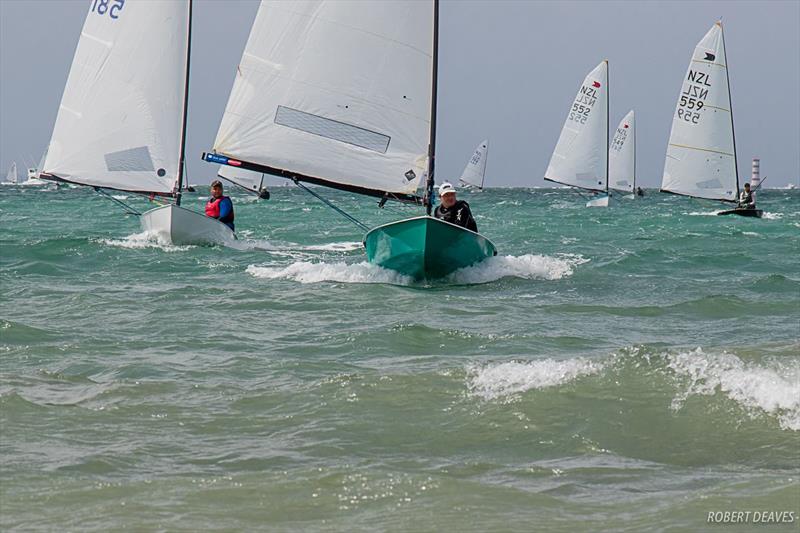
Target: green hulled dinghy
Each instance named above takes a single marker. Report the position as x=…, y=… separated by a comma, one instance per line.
x=425, y=247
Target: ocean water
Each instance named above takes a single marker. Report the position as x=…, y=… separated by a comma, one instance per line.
x=625, y=369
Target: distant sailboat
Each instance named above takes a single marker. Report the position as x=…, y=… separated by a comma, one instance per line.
x=343, y=94
x=701, y=156
x=580, y=158
x=122, y=120
x=11, y=176
x=622, y=157
x=475, y=171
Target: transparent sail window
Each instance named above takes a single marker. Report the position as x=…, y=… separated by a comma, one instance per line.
x=133, y=159
x=332, y=129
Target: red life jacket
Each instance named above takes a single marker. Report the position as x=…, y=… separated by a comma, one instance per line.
x=212, y=207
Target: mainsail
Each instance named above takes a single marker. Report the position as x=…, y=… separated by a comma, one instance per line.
x=475, y=171
x=580, y=158
x=11, y=177
x=336, y=93
x=701, y=155
x=622, y=156
x=120, y=122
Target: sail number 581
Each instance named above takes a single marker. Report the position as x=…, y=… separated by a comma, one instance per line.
x=112, y=7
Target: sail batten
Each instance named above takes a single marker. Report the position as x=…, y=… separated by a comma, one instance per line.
x=335, y=91
x=580, y=158
x=701, y=154
x=119, y=121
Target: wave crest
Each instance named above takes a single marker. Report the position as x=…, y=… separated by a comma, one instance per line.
x=775, y=391
x=495, y=381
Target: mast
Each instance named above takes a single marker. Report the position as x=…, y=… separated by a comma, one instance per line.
x=182, y=156
x=730, y=105
x=608, y=123
x=634, y=156
x=432, y=137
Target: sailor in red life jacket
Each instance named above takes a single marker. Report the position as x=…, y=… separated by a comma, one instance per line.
x=219, y=206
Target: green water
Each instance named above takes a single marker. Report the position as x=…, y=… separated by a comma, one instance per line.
x=628, y=369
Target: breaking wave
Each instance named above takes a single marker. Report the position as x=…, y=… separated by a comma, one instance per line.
x=770, y=388
x=495, y=381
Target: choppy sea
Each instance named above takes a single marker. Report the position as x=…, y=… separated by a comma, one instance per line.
x=625, y=369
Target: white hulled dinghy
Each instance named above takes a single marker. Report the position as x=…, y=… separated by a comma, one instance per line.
x=701, y=155
x=121, y=124
x=475, y=171
x=580, y=158
x=622, y=157
x=343, y=94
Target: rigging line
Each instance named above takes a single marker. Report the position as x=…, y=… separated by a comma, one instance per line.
x=128, y=209
x=329, y=204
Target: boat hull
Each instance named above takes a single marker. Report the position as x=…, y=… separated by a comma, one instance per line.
x=182, y=226
x=426, y=247
x=755, y=213
x=598, y=202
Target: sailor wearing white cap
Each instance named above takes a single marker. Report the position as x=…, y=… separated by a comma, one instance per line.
x=453, y=210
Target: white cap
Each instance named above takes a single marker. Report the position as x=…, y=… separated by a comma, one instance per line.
x=446, y=188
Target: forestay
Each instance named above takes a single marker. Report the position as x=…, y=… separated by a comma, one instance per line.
x=701, y=159
x=580, y=158
x=475, y=171
x=120, y=119
x=339, y=91
x=622, y=156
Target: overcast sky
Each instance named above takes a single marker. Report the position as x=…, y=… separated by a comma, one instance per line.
x=508, y=72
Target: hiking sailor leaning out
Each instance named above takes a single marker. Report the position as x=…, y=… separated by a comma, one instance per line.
x=453, y=210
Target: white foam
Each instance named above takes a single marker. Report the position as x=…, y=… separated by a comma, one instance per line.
x=119, y=196
x=526, y=266
x=705, y=213
x=772, y=216
x=495, y=381
x=771, y=388
x=307, y=272
x=750, y=233
x=334, y=247
x=146, y=239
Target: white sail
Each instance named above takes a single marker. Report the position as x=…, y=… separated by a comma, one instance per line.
x=622, y=156
x=11, y=177
x=336, y=90
x=580, y=158
x=120, y=120
x=252, y=181
x=475, y=171
x=701, y=160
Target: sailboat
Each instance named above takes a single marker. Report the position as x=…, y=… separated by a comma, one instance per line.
x=343, y=95
x=121, y=124
x=622, y=157
x=11, y=176
x=475, y=170
x=580, y=158
x=701, y=155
